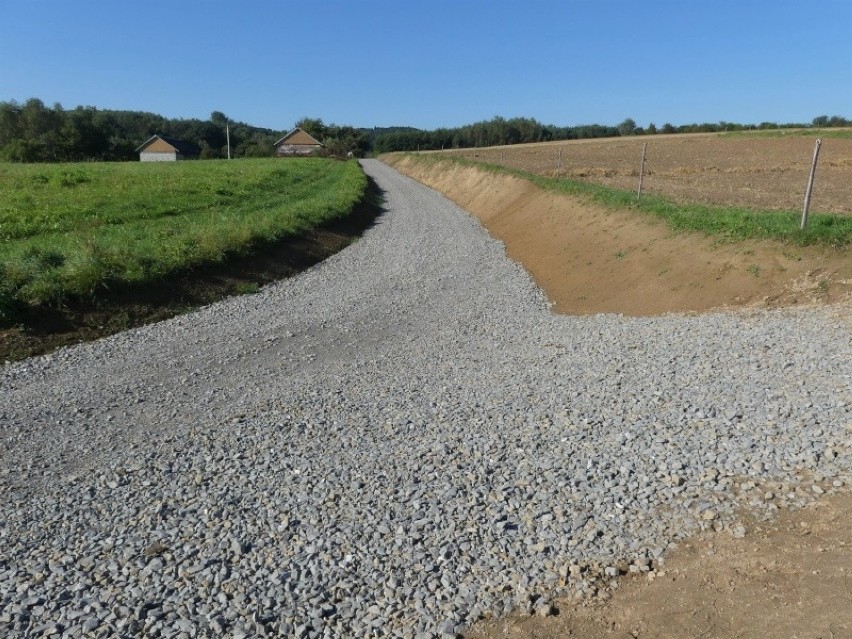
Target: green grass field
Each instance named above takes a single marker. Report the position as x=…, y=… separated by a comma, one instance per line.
x=72, y=230
x=728, y=223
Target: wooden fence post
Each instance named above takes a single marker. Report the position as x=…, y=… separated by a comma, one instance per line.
x=810, y=188
x=641, y=171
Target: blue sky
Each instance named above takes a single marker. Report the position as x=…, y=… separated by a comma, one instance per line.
x=436, y=63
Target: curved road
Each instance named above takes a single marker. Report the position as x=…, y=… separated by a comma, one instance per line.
x=394, y=443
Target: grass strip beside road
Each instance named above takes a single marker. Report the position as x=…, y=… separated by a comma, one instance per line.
x=72, y=231
x=728, y=223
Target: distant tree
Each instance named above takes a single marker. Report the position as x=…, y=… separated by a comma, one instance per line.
x=256, y=149
x=10, y=116
x=706, y=127
x=652, y=129
x=628, y=127
x=314, y=127
x=19, y=150
x=668, y=128
x=207, y=152
x=84, y=135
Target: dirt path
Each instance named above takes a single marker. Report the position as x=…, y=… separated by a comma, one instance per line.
x=790, y=577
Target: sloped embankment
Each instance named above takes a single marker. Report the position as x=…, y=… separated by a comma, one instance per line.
x=589, y=259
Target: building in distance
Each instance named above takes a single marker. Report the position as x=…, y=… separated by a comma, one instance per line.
x=159, y=148
x=297, y=142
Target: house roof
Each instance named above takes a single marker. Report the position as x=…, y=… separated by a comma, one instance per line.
x=298, y=136
x=184, y=148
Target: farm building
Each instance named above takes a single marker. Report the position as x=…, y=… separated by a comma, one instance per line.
x=297, y=142
x=162, y=149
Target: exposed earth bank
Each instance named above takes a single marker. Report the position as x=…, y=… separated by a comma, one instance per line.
x=791, y=576
x=592, y=260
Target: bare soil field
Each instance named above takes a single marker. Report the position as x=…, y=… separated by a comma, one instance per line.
x=765, y=173
x=788, y=577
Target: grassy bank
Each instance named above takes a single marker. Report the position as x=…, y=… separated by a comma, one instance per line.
x=72, y=231
x=728, y=223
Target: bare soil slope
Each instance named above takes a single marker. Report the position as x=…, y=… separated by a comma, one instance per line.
x=592, y=260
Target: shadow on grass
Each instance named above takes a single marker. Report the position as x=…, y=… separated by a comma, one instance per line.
x=41, y=329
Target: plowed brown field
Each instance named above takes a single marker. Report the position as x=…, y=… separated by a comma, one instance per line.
x=756, y=172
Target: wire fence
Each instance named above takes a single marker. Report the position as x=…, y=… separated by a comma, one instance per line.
x=756, y=173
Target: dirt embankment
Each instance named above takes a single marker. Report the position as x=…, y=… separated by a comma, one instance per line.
x=592, y=260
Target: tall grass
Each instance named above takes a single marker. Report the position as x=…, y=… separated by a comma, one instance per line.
x=71, y=230
x=729, y=223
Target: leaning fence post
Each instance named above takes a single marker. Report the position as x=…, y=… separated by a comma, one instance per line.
x=641, y=171
x=810, y=188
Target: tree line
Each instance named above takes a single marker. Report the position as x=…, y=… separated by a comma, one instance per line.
x=495, y=132
x=500, y=131
x=34, y=132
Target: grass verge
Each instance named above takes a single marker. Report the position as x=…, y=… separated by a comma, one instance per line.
x=727, y=223
x=41, y=328
x=77, y=232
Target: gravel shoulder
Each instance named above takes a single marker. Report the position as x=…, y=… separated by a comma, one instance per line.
x=398, y=442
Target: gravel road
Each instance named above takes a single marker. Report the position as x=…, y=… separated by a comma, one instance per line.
x=395, y=443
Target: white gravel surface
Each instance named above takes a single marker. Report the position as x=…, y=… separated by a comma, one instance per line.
x=395, y=443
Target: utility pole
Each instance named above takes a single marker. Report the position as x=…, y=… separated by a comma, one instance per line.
x=228, y=137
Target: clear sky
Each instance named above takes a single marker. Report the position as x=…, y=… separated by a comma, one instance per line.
x=435, y=63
